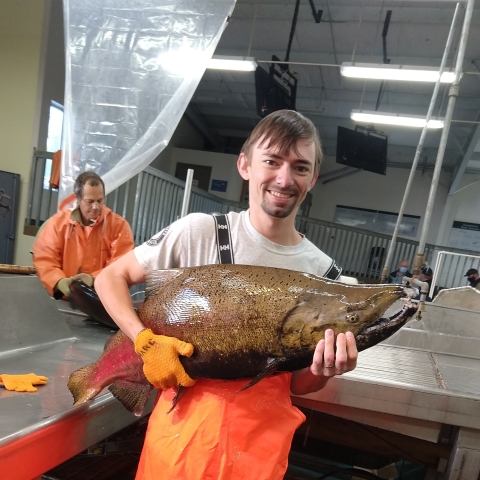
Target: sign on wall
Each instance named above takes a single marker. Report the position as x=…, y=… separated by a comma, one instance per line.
x=219, y=185
x=465, y=235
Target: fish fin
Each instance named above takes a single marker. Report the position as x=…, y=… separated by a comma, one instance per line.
x=108, y=342
x=271, y=367
x=180, y=391
x=77, y=385
x=155, y=279
x=133, y=396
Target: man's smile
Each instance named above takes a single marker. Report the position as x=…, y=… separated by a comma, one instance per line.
x=280, y=194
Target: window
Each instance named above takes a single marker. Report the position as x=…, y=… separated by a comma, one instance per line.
x=55, y=125
x=54, y=138
x=376, y=220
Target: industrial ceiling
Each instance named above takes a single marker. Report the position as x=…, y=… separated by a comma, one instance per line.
x=407, y=33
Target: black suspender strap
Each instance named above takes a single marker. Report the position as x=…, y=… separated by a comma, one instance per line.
x=334, y=271
x=224, y=240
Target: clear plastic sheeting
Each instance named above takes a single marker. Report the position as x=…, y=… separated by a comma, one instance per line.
x=132, y=68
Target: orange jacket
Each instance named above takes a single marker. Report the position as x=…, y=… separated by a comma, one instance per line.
x=62, y=249
x=215, y=433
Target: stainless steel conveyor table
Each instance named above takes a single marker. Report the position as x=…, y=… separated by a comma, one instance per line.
x=425, y=376
x=40, y=430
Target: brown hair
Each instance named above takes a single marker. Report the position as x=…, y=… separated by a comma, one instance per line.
x=86, y=177
x=283, y=129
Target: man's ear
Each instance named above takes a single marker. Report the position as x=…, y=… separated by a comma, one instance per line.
x=242, y=165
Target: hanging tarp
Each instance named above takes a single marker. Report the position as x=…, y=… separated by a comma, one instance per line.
x=132, y=67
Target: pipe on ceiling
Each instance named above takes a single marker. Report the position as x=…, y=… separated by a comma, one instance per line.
x=419, y=150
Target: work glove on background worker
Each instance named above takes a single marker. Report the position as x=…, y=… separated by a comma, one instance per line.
x=22, y=383
x=161, y=364
x=63, y=285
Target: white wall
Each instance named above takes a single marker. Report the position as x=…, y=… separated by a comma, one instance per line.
x=185, y=136
x=22, y=46
x=361, y=190
x=224, y=167
x=468, y=199
x=378, y=192
x=463, y=206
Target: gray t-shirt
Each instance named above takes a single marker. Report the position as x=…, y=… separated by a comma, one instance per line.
x=191, y=241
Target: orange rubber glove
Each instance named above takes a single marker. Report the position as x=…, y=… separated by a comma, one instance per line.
x=161, y=365
x=22, y=383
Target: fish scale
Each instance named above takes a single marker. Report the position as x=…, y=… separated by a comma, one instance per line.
x=243, y=321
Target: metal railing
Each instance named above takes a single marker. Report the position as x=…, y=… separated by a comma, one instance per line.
x=361, y=253
x=450, y=269
x=152, y=200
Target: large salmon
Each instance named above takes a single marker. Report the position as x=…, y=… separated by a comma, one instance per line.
x=244, y=321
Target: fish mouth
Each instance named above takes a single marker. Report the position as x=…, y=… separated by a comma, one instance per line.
x=384, y=327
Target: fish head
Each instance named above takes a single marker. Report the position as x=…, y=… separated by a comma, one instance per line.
x=339, y=307
x=355, y=312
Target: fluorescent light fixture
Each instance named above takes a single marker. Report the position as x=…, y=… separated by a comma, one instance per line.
x=394, y=119
x=242, y=64
x=406, y=73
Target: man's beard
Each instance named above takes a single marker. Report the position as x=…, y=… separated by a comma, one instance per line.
x=279, y=211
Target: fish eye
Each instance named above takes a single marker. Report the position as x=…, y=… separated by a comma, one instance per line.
x=352, y=317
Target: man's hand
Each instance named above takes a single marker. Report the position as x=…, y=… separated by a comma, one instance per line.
x=22, y=383
x=328, y=361
x=86, y=278
x=63, y=286
x=160, y=354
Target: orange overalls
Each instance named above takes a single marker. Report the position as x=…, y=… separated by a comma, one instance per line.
x=215, y=433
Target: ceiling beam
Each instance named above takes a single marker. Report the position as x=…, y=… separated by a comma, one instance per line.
x=469, y=151
x=457, y=143
x=211, y=91
x=345, y=12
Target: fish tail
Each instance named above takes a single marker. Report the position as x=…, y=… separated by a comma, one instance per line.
x=133, y=396
x=80, y=387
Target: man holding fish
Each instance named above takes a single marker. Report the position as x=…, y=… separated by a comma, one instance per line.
x=216, y=432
